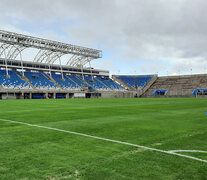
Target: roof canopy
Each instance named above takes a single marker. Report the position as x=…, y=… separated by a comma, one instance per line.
x=12, y=44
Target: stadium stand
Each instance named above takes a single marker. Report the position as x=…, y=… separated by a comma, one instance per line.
x=142, y=81
x=110, y=83
x=178, y=86
x=65, y=83
x=78, y=80
x=135, y=81
x=39, y=81
x=13, y=81
x=73, y=79
x=96, y=84
x=128, y=80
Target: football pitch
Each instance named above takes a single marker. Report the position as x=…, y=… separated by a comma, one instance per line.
x=97, y=139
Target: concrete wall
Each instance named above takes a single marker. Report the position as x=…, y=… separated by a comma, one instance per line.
x=8, y=96
x=117, y=94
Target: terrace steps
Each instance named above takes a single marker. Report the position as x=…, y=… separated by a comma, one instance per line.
x=123, y=84
x=82, y=87
x=24, y=78
x=73, y=80
x=51, y=79
x=178, y=85
x=104, y=84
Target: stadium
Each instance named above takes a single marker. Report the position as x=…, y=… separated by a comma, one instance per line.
x=127, y=103
x=43, y=79
x=119, y=123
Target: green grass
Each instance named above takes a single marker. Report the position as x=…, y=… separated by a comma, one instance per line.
x=168, y=124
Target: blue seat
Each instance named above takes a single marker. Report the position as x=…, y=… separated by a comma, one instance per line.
x=38, y=80
x=13, y=81
x=130, y=80
x=78, y=80
x=142, y=81
x=110, y=83
x=95, y=83
x=65, y=83
x=160, y=92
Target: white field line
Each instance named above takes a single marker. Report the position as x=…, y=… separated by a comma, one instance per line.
x=106, y=139
x=194, y=151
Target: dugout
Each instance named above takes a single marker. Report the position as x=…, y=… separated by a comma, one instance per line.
x=60, y=95
x=38, y=96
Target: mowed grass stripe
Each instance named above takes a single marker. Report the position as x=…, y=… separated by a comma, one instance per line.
x=33, y=153
x=106, y=139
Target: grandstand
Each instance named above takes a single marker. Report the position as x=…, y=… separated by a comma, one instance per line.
x=134, y=82
x=178, y=86
x=65, y=82
x=39, y=81
x=111, y=84
x=166, y=86
x=12, y=80
x=44, y=78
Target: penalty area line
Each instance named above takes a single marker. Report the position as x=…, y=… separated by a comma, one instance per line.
x=106, y=139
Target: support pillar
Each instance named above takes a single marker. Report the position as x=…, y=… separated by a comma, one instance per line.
x=82, y=70
x=7, y=74
x=20, y=53
x=46, y=95
x=91, y=70
x=61, y=68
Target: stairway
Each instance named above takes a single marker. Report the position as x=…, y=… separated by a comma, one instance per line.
x=149, y=84
x=104, y=84
x=24, y=78
x=51, y=79
x=76, y=83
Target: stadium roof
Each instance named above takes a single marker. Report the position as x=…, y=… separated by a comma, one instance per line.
x=12, y=44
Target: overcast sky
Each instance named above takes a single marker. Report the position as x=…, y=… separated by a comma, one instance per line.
x=136, y=36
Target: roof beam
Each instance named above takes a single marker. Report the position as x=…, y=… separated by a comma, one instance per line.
x=43, y=44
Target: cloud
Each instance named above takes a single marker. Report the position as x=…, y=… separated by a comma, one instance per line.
x=142, y=35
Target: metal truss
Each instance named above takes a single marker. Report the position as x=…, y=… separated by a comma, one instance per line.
x=12, y=44
x=53, y=57
x=79, y=60
x=14, y=51
x=46, y=46
x=10, y=51
x=3, y=48
x=48, y=57
x=42, y=55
